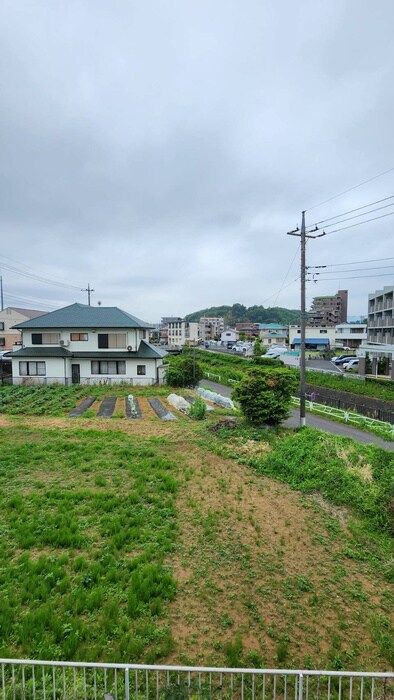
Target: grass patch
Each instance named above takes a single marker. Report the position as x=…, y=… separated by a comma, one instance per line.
x=87, y=520
x=184, y=545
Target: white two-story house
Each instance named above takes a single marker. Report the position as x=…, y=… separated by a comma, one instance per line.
x=82, y=344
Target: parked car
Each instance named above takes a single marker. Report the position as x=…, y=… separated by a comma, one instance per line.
x=342, y=359
x=351, y=365
x=277, y=349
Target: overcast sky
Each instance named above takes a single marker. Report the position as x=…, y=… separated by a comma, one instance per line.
x=162, y=150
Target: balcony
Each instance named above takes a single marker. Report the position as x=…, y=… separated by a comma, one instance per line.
x=36, y=680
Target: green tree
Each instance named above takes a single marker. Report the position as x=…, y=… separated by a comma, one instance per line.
x=183, y=370
x=257, y=348
x=265, y=394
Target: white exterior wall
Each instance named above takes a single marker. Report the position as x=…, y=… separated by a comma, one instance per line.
x=182, y=333
x=59, y=369
x=351, y=334
x=229, y=336
x=133, y=337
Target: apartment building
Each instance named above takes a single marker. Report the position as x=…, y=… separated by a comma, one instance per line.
x=211, y=327
x=380, y=316
x=181, y=332
x=329, y=310
x=379, y=346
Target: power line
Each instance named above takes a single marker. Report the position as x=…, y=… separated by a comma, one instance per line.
x=355, y=262
x=359, y=223
x=357, y=277
x=287, y=274
x=37, y=278
x=29, y=300
x=359, y=269
x=350, y=189
x=365, y=206
x=356, y=216
x=277, y=294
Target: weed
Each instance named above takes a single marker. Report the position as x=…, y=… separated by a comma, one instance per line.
x=233, y=652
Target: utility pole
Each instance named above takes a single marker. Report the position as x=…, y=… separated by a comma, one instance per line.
x=89, y=290
x=1, y=292
x=303, y=236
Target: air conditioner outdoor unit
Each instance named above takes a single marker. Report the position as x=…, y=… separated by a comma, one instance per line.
x=64, y=343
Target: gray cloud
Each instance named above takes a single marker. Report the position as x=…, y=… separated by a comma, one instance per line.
x=162, y=150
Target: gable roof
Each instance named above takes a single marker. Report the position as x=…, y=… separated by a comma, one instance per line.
x=29, y=313
x=83, y=316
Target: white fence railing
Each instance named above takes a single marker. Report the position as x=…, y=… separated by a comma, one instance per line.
x=385, y=429
x=47, y=680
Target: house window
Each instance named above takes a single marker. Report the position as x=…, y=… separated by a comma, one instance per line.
x=1, y=325
x=141, y=369
x=323, y=331
x=108, y=367
x=111, y=340
x=32, y=369
x=2, y=342
x=78, y=336
x=45, y=338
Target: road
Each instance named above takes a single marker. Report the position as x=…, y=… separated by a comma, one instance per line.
x=324, y=424
x=317, y=364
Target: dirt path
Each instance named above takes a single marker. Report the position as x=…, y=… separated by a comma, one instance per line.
x=255, y=563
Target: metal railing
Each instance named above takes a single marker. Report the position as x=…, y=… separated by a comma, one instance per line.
x=385, y=430
x=47, y=680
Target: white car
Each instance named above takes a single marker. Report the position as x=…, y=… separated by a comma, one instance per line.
x=352, y=364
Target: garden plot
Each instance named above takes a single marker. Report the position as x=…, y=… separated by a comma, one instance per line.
x=132, y=407
x=160, y=410
x=107, y=407
x=82, y=407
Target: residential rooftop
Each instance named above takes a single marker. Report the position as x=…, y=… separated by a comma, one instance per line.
x=83, y=316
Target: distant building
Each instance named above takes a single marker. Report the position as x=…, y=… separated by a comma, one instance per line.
x=273, y=334
x=379, y=346
x=316, y=338
x=380, y=316
x=229, y=336
x=10, y=317
x=329, y=310
x=181, y=332
x=211, y=327
x=350, y=335
x=251, y=330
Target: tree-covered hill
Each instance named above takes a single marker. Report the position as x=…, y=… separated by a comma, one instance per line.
x=238, y=313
